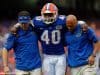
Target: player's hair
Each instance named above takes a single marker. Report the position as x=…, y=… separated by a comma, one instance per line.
x=24, y=13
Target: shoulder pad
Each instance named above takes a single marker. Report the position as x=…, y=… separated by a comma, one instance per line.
x=62, y=17
x=38, y=18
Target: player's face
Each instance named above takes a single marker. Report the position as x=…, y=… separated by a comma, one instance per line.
x=48, y=17
x=24, y=26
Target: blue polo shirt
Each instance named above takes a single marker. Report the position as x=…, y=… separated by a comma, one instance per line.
x=26, y=49
x=80, y=46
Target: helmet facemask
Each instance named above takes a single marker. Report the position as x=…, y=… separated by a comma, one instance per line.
x=50, y=14
x=49, y=18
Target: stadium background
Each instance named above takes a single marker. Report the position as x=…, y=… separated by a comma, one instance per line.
x=87, y=10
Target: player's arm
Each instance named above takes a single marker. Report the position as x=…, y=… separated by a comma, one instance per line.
x=84, y=25
x=93, y=38
x=14, y=28
x=7, y=46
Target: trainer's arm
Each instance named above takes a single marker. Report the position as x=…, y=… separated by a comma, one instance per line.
x=96, y=48
x=5, y=57
x=9, y=44
x=5, y=61
x=93, y=38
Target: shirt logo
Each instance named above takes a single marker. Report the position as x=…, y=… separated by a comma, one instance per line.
x=41, y=28
x=59, y=27
x=78, y=34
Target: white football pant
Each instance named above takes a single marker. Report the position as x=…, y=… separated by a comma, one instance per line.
x=54, y=64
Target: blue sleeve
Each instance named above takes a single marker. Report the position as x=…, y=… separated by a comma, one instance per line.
x=65, y=41
x=36, y=21
x=9, y=44
x=91, y=35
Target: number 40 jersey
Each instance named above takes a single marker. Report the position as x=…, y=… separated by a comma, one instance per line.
x=51, y=36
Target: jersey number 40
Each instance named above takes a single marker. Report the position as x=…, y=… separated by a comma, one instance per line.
x=54, y=38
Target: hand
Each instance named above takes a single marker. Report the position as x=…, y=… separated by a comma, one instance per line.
x=13, y=30
x=91, y=60
x=6, y=70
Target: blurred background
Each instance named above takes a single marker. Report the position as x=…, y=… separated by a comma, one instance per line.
x=87, y=10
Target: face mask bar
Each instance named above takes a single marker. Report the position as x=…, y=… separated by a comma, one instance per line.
x=49, y=18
